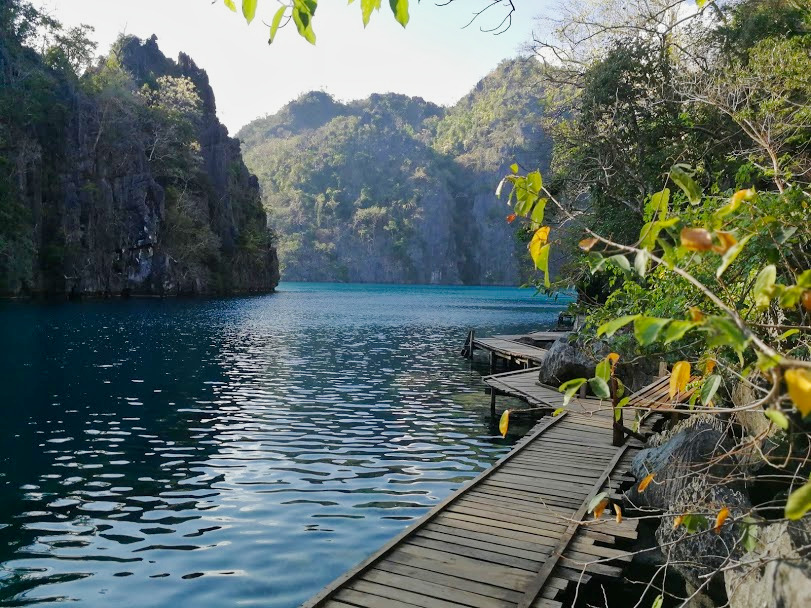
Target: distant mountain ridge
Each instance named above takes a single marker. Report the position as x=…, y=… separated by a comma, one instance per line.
x=397, y=189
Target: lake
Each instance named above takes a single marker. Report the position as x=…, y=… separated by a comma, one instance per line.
x=239, y=451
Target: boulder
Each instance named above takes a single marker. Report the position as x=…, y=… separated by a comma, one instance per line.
x=567, y=360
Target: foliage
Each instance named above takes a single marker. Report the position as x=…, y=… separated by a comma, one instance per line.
x=302, y=13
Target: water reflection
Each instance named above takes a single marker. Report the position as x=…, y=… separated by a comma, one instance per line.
x=233, y=451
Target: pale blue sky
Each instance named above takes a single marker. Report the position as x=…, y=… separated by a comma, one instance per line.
x=433, y=58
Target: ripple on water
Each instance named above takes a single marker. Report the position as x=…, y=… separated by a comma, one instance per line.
x=235, y=450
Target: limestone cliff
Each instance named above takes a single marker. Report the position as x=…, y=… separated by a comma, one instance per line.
x=111, y=190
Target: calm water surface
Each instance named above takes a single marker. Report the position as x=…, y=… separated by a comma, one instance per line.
x=234, y=451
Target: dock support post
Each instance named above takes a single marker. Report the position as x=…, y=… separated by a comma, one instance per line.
x=662, y=369
x=492, y=403
x=492, y=362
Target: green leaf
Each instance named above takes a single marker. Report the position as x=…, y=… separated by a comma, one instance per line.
x=603, y=370
x=611, y=327
x=230, y=4
x=686, y=182
x=301, y=17
x=731, y=254
x=657, y=603
x=538, y=211
x=400, y=10
x=676, y=330
x=787, y=334
x=658, y=205
x=804, y=280
x=726, y=333
x=778, y=418
x=709, y=388
x=764, y=285
x=249, y=9
x=767, y=362
x=621, y=261
x=570, y=387
x=641, y=262
x=600, y=388
x=558, y=412
x=534, y=183
x=646, y=329
x=695, y=523
x=514, y=168
x=366, y=7
x=791, y=297
x=799, y=502
x=274, y=25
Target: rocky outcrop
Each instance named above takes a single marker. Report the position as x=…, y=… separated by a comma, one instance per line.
x=567, y=360
x=100, y=215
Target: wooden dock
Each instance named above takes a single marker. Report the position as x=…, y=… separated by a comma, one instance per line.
x=519, y=534
x=522, y=350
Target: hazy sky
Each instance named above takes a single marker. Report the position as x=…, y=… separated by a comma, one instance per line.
x=433, y=58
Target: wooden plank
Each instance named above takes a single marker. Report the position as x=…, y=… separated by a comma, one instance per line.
x=452, y=582
x=432, y=590
x=366, y=600
x=327, y=591
x=534, y=588
x=401, y=595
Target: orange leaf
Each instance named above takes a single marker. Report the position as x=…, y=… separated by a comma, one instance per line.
x=598, y=510
x=511, y=218
x=613, y=357
x=709, y=366
x=677, y=521
x=696, y=316
x=799, y=389
x=807, y=300
x=719, y=521
x=645, y=482
x=679, y=378
x=743, y=195
x=618, y=511
x=587, y=244
x=726, y=239
x=696, y=239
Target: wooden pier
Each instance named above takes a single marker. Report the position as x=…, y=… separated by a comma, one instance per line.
x=523, y=350
x=519, y=534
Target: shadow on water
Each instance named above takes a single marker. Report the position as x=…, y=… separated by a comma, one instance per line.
x=234, y=450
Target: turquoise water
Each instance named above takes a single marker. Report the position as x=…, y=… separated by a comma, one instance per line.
x=234, y=451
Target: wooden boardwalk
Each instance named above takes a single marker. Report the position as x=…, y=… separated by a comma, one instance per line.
x=515, y=352
x=518, y=535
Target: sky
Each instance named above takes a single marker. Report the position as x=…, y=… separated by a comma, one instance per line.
x=434, y=57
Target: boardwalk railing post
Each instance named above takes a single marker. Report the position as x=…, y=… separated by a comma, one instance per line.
x=618, y=435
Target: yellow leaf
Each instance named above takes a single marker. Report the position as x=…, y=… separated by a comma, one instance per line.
x=743, y=195
x=613, y=357
x=799, y=389
x=696, y=239
x=677, y=521
x=709, y=366
x=587, y=244
x=720, y=519
x=645, y=482
x=696, y=316
x=598, y=510
x=679, y=378
x=618, y=511
x=504, y=423
x=539, y=239
x=727, y=241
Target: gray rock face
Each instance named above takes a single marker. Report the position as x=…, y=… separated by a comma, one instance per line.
x=98, y=213
x=780, y=572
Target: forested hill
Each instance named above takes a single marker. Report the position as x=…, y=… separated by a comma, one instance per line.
x=116, y=176
x=397, y=189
